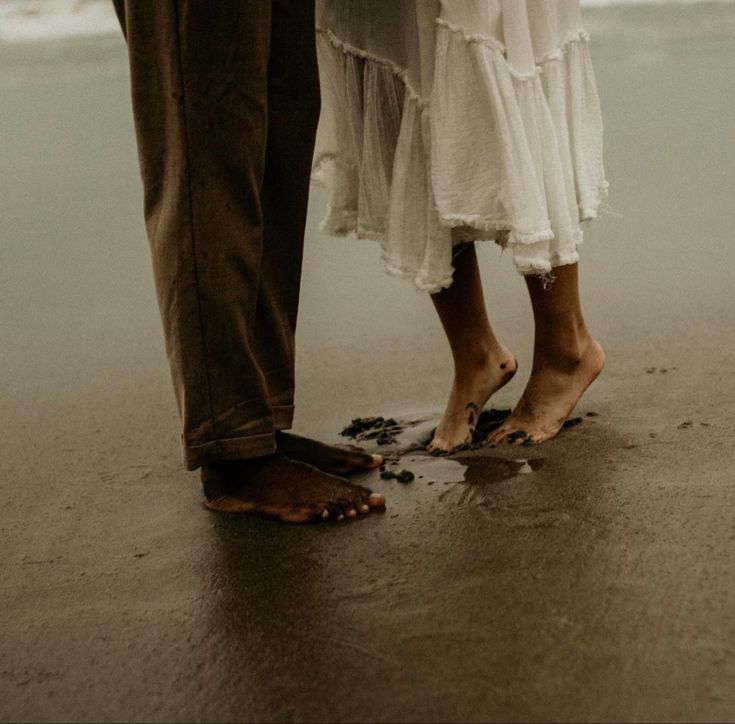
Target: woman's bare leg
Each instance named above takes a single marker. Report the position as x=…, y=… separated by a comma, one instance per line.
x=566, y=360
x=481, y=364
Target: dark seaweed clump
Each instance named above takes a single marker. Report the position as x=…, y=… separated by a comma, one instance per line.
x=405, y=476
x=380, y=429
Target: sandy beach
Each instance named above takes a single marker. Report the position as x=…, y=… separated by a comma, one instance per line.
x=588, y=579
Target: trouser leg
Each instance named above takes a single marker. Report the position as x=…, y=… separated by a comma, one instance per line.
x=199, y=77
x=293, y=113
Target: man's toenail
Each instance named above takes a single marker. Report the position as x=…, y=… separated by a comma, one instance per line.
x=352, y=513
x=325, y=514
x=376, y=499
x=340, y=517
x=365, y=508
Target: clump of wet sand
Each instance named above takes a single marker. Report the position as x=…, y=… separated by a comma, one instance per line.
x=385, y=431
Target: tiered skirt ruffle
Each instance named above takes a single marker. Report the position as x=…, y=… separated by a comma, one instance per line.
x=492, y=152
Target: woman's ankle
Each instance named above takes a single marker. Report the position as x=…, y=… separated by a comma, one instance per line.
x=563, y=348
x=482, y=357
x=564, y=353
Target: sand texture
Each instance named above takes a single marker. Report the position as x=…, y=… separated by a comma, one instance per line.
x=589, y=579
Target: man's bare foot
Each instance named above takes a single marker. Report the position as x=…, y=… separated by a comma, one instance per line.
x=550, y=397
x=473, y=386
x=334, y=459
x=284, y=489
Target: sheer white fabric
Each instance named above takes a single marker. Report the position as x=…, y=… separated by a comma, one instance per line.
x=458, y=120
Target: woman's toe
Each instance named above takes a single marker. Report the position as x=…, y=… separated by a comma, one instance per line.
x=496, y=437
x=438, y=446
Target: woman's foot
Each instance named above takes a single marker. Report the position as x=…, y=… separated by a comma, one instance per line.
x=474, y=383
x=481, y=364
x=333, y=459
x=552, y=392
x=278, y=487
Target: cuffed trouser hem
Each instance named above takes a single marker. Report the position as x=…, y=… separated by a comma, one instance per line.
x=283, y=417
x=230, y=448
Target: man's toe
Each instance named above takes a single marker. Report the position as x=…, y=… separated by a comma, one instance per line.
x=335, y=511
x=360, y=460
x=376, y=500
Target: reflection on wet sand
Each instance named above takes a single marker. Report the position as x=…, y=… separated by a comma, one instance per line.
x=401, y=596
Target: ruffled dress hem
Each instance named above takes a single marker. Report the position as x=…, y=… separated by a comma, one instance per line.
x=397, y=174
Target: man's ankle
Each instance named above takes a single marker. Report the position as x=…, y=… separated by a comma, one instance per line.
x=219, y=475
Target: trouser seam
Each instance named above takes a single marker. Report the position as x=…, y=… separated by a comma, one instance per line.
x=188, y=172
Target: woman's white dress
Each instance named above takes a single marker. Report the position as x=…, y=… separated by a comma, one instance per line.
x=455, y=120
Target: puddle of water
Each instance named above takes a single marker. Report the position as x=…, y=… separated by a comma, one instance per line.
x=489, y=469
x=484, y=471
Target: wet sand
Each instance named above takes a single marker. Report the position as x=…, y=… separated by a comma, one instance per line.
x=587, y=579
